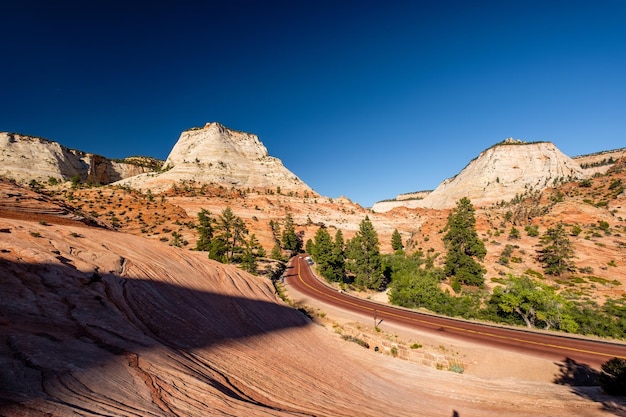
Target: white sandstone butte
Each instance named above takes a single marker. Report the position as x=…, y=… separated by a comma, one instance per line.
x=216, y=154
x=499, y=173
x=24, y=158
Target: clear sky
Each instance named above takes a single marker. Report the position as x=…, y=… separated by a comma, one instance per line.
x=365, y=99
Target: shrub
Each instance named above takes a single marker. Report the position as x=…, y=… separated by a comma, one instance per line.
x=532, y=231
x=356, y=340
x=612, y=379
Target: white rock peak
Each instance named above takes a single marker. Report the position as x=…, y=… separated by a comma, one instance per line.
x=219, y=155
x=498, y=174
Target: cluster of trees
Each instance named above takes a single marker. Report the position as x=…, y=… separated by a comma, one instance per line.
x=227, y=240
x=415, y=280
x=520, y=300
x=358, y=261
x=287, y=240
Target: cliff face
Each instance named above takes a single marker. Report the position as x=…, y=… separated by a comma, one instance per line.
x=499, y=173
x=24, y=158
x=216, y=154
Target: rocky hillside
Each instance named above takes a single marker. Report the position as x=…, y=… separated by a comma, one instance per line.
x=217, y=155
x=25, y=158
x=499, y=174
x=599, y=162
x=98, y=322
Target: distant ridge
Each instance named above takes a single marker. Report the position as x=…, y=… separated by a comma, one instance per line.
x=25, y=158
x=499, y=173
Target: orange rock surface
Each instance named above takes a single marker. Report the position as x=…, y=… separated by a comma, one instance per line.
x=100, y=322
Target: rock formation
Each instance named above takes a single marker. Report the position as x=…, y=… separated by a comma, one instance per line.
x=98, y=322
x=24, y=158
x=216, y=154
x=599, y=162
x=499, y=174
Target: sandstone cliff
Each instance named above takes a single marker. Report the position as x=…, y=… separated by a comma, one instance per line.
x=499, y=174
x=24, y=158
x=599, y=162
x=216, y=154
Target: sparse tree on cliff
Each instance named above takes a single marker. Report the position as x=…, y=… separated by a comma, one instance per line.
x=463, y=245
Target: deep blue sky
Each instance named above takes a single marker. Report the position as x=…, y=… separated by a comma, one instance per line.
x=366, y=99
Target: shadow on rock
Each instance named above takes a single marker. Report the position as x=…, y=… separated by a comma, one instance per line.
x=583, y=381
x=62, y=333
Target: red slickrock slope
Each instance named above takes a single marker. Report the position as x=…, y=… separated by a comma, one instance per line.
x=97, y=322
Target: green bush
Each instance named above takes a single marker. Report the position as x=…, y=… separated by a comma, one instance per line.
x=356, y=340
x=532, y=231
x=612, y=379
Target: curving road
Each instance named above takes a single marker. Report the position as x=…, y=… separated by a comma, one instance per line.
x=553, y=346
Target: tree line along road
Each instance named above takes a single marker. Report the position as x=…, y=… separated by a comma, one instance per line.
x=554, y=346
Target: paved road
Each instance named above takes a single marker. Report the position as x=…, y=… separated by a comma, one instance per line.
x=553, y=346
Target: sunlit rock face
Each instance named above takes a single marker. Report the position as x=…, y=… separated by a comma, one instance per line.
x=500, y=173
x=216, y=154
x=25, y=158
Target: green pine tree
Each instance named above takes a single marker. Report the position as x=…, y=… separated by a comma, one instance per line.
x=308, y=247
x=556, y=253
x=290, y=240
x=339, y=256
x=252, y=250
x=323, y=253
x=232, y=235
x=276, y=253
x=396, y=240
x=275, y=226
x=363, y=257
x=205, y=230
x=463, y=245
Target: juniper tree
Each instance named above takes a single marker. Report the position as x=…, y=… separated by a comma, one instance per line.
x=463, y=246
